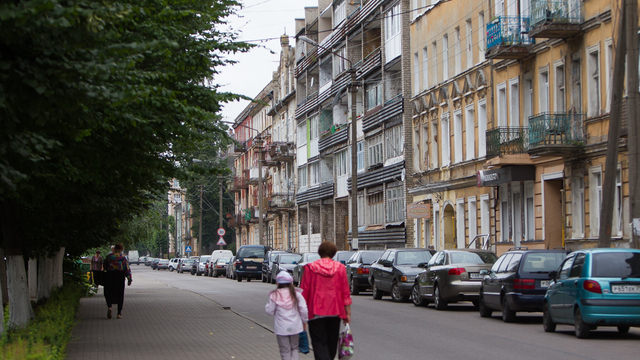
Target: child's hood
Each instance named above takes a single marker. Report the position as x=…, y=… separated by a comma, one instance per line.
x=282, y=298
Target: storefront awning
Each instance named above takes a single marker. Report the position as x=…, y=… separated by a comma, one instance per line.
x=505, y=175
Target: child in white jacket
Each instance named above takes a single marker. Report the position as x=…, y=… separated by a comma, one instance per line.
x=288, y=306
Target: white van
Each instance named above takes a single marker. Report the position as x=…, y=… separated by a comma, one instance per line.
x=215, y=255
x=133, y=257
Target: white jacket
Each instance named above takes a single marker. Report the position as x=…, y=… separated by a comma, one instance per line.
x=288, y=319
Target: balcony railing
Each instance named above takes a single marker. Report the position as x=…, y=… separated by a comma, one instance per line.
x=240, y=182
x=556, y=129
x=281, y=202
x=280, y=151
x=507, y=141
x=555, y=19
x=507, y=37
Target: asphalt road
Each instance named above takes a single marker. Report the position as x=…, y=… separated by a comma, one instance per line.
x=383, y=329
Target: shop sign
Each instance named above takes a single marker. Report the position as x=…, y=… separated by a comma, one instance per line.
x=418, y=211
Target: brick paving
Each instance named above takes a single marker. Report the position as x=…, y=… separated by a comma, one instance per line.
x=161, y=322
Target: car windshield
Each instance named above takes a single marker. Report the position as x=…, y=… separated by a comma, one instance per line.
x=223, y=260
x=369, y=257
x=542, y=262
x=274, y=256
x=251, y=253
x=205, y=258
x=616, y=264
x=188, y=261
x=289, y=258
x=312, y=257
x=465, y=257
x=413, y=257
x=343, y=256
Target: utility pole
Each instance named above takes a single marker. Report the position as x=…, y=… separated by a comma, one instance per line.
x=613, y=142
x=200, y=225
x=354, y=162
x=220, y=213
x=260, y=157
x=633, y=97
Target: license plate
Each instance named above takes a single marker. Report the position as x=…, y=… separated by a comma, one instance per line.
x=475, y=276
x=251, y=267
x=545, y=283
x=625, y=289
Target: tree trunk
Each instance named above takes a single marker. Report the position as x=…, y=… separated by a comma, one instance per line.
x=20, y=311
x=57, y=268
x=45, y=272
x=1, y=308
x=3, y=279
x=33, y=279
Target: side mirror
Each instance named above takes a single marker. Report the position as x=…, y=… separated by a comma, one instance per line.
x=386, y=263
x=483, y=272
x=552, y=275
x=421, y=265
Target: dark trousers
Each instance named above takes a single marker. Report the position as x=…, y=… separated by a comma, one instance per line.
x=114, y=289
x=324, y=334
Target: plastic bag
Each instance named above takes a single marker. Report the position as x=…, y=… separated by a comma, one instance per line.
x=303, y=342
x=345, y=345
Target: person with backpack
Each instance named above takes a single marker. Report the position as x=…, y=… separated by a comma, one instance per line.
x=289, y=309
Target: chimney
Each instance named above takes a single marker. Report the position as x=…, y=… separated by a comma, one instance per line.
x=284, y=41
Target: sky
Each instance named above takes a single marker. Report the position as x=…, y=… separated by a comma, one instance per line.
x=258, y=19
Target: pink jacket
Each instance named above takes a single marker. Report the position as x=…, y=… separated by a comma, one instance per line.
x=325, y=287
x=288, y=317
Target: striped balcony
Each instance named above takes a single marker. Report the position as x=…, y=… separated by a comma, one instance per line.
x=555, y=19
x=507, y=38
x=507, y=141
x=556, y=134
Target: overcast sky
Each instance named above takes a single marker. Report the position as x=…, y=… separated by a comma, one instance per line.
x=258, y=19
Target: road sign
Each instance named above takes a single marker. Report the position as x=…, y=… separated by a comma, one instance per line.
x=221, y=241
x=187, y=249
x=221, y=231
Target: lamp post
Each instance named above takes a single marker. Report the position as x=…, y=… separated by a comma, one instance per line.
x=353, y=90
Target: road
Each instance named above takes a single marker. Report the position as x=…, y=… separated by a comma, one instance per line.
x=383, y=329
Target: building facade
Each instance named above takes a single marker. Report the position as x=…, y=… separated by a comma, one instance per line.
x=180, y=209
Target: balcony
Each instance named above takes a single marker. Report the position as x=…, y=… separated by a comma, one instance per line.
x=281, y=151
x=555, y=19
x=556, y=134
x=237, y=220
x=239, y=183
x=253, y=175
x=507, y=38
x=237, y=148
x=281, y=202
x=507, y=141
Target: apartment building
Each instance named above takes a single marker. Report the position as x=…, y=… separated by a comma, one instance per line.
x=180, y=209
x=369, y=38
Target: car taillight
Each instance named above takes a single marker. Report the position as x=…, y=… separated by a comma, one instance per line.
x=238, y=262
x=592, y=286
x=524, y=284
x=457, y=271
x=363, y=271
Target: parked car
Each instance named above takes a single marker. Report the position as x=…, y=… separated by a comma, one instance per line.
x=173, y=264
x=358, y=269
x=395, y=272
x=219, y=266
x=517, y=281
x=154, y=264
x=133, y=257
x=594, y=287
x=299, y=268
x=148, y=261
x=267, y=264
x=229, y=270
x=143, y=259
x=187, y=265
x=343, y=256
x=163, y=264
x=451, y=276
x=203, y=264
x=284, y=262
x=218, y=254
x=249, y=261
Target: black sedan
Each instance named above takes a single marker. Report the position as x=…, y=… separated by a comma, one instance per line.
x=395, y=272
x=358, y=269
x=299, y=268
x=284, y=262
x=267, y=265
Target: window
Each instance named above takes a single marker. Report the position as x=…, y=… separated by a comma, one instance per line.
x=177, y=198
x=435, y=149
x=544, y=90
x=374, y=95
x=565, y=268
x=595, y=199
x=360, y=154
x=375, y=150
x=416, y=74
x=617, y=206
x=513, y=264
x=457, y=136
x=472, y=215
x=516, y=207
x=392, y=33
x=339, y=13
x=314, y=128
x=416, y=150
x=469, y=46
x=528, y=99
x=445, y=57
x=481, y=34
x=504, y=213
x=560, y=89
x=578, y=264
x=484, y=214
x=609, y=73
x=576, y=84
x=424, y=153
x=325, y=74
x=434, y=56
x=176, y=183
x=342, y=163
x=376, y=208
x=514, y=102
x=469, y=131
x=482, y=128
x=529, y=213
x=425, y=68
x=302, y=177
x=457, y=56
x=593, y=80
x=577, y=194
x=314, y=174
x=460, y=241
x=446, y=140
x=339, y=61
x=394, y=142
x=502, y=105
x=361, y=208
x=395, y=204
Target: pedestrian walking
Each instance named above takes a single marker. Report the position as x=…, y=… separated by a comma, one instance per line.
x=96, y=266
x=117, y=270
x=325, y=288
x=289, y=308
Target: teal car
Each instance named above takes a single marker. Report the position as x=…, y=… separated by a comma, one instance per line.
x=594, y=287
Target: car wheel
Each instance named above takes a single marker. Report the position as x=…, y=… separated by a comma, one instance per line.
x=264, y=278
x=416, y=298
x=239, y=278
x=198, y=274
x=377, y=294
x=215, y=274
x=508, y=315
x=547, y=322
x=437, y=299
x=249, y=279
x=396, y=295
x=170, y=269
x=623, y=329
x=582, y=329
x=353, y=288
x=485, y=312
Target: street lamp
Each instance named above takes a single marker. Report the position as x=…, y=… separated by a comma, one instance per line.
x=353, y=89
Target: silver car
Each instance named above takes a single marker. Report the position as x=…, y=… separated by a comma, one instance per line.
x=203, y=264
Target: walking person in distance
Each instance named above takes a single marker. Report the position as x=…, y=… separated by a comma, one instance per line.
x=324, y=285
x=289, y=308
x=117, y=270
x=96, y=266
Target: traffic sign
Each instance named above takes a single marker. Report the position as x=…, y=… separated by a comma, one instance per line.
x=187, y=249
x=221, y=231
x=221, y=241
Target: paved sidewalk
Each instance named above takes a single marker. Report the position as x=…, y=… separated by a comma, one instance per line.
x=161, y=322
